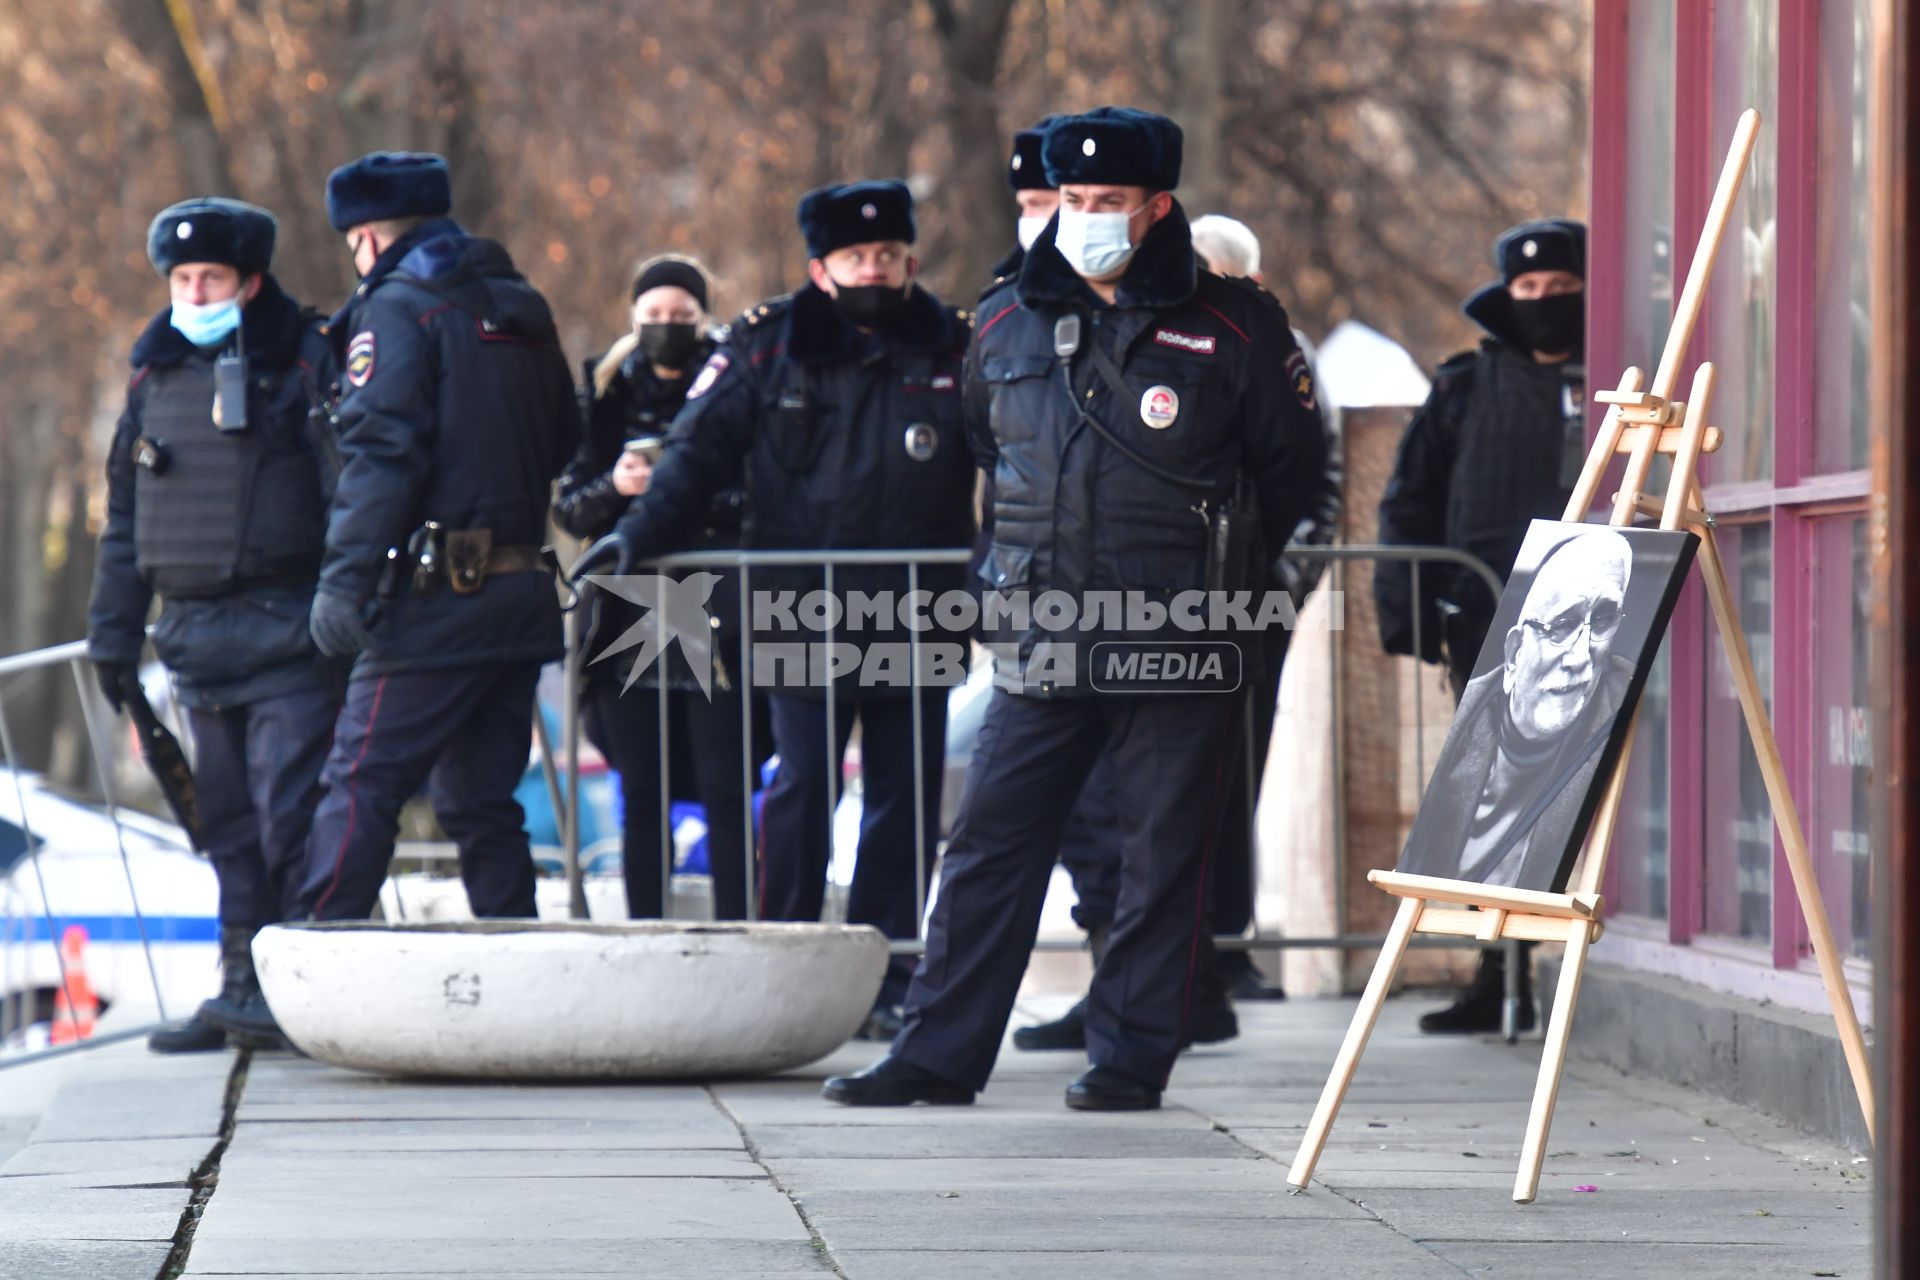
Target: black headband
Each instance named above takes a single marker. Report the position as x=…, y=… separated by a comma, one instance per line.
x=674, y=271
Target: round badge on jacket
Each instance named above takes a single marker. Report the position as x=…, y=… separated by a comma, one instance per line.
x=921, y=442
x=1159, y=407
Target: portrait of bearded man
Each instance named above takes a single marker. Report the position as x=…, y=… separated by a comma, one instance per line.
x=1512, y=785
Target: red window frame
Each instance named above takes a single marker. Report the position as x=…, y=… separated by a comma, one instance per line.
x=1797, y=496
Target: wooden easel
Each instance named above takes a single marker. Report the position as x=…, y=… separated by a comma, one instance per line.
x=1638, y=424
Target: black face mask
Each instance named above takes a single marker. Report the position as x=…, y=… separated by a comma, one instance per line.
x=871, y=306
x=669, y=345
x=1554, y=324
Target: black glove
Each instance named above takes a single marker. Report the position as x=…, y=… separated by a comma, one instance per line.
x=337, y=627
x=114, y=679
x=612, y=553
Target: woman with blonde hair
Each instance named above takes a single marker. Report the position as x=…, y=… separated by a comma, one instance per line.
x=629, y=398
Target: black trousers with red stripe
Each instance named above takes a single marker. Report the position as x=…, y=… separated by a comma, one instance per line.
x=463, y=731
x=1171, y=755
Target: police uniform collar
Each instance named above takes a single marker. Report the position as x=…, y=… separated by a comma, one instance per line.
x=1005, y=269
x=817, y=331
x=1164, y=271
x=271, y=327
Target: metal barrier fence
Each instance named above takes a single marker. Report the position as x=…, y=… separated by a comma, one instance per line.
x=17, y=929
x=745, y=562
x=562, y=777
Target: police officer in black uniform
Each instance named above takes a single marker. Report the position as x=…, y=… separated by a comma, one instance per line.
x=1121, y=397
x=838, y=408
x=457, y=411
x=217, y=489
x=1498, y=444
x=630, y=395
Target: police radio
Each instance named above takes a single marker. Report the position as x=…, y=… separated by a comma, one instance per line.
x=1066, y=335
x=230, y=387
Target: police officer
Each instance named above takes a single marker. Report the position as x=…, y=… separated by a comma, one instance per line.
x=1121, y=397
x=838, y=407
x=1498, y=444
x=217, y=490
x=456, y=413
x=1033, y=196
x=631, y=394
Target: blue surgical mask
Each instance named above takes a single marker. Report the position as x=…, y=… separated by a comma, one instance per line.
x=1094, y=244
x=207, y=324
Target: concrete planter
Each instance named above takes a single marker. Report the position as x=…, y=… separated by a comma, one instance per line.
x=533, y=999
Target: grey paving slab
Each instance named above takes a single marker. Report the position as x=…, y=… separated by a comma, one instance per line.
x=116, y=1110
x=1697, y=1217
x=82, y=1259
x=248, y=1160
x=373, y=1207
x=1375, y=1254
x=336, y=1174
x=1154, y=1141
x=1616, y=1260
x=109, y=1162
x=679, y=1133
x=529, y=1254
x=960, y=1174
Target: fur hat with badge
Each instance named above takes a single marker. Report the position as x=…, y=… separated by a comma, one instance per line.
x=1113, y=146
x=834, y=217
x=1027, y=166
x=382, y=186
x=1555, y=323
x=212, y=229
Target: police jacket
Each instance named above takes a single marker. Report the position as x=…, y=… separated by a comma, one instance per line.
x=1497, y=445
x=1213, y=391
x=226, y=526
x=842, y=439
x=633, y=403
x=456, y=406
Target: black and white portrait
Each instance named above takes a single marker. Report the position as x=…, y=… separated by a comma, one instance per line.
x=1543, y=719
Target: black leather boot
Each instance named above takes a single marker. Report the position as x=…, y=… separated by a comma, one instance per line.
x=893, y=1083
x=1105, y=1089
x=1069, y=1030
x=241, y=1008
x=1478, y=1008
x=200, y=1033
x=194, y=1035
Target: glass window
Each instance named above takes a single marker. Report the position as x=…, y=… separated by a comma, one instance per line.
x=1746, y=54
x=1641, y=840
x=1649, y=195
x=1843, y=330
x=1644, y=836
x=1737, y=895
x=1838, y=823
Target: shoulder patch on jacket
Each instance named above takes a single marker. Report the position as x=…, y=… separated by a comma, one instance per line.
x=1300, y=378
x=360, y=353
x=709, y=374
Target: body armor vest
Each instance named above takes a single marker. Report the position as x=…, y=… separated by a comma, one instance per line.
x=217, y=510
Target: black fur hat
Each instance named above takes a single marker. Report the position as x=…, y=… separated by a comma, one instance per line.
x=1027, y=168
x=1114, y=146
x=1552, y=244
x=384, y=185
x=212, y=229
x=855, y=213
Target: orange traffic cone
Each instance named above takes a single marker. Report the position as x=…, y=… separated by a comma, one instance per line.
x=76, y=1008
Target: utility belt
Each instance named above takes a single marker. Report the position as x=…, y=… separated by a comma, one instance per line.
x=173, y=583
x=460, y=559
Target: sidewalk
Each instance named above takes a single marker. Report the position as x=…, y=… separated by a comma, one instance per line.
x=328, y=1173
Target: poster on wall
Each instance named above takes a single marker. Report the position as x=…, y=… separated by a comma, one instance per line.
x=1542, y=722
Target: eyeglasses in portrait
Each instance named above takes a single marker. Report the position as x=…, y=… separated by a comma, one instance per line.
x=1543, y=720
